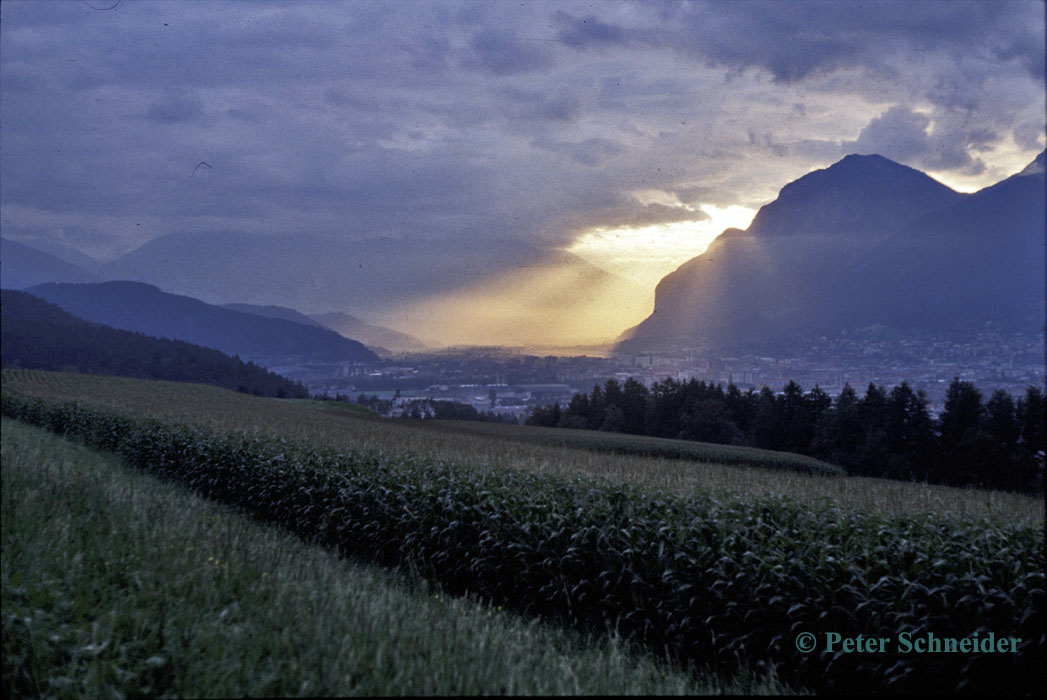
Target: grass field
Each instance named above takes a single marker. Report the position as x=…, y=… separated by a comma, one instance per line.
x=707, y=564
x=557, y=452
x=117, y=584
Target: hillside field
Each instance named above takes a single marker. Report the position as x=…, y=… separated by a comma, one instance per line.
x=679, y=466
x=715, y=559
x=116, y=583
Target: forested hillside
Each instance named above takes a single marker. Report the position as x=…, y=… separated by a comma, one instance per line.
x=38, y=335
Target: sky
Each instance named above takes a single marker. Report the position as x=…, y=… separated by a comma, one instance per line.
x=627, y=133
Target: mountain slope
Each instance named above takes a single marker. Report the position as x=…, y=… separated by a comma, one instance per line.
x=272, y=311
x=865, y=240
x=857, y=196
x=982, y=259
x=143, y=308
x=35, y=334
x=370, y=335
x=23, y=266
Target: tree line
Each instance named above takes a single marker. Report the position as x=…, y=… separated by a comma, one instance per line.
x=997, y=443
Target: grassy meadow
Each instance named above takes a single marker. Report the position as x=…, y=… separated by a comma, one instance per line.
x=710, y=559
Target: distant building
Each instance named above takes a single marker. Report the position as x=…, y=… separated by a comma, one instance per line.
x=545, y=392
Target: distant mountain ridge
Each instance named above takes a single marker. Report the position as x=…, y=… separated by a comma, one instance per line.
x=864, y=241
x=309, y=272
x=377, y=338
x=273, y=311
x=143, y=308
x=35, y=334
x=373, y=336
x=23, y=266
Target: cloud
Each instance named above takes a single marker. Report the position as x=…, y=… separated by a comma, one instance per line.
x=532, y=123
x=912, y=137
x=589, y=31
x=176, y=110
x=592, y=152
x=501, y=54
x=899, y=134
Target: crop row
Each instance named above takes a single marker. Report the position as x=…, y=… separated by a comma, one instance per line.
x=710, y=583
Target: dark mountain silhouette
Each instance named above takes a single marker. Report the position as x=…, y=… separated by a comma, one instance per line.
x=372, y=336
x=860, y=196
x=981, y=259
x=864, y=241
x=22, y=266
x=145, y=309
x=35, y=334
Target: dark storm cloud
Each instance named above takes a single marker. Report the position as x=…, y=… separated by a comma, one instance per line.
x=792, y=40
x=497, y=121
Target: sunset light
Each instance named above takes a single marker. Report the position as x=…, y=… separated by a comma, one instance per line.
x=560, y=347
x=646, y=254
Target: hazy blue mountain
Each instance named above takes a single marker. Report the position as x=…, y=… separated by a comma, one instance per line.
x=271, y=311
x=372, y=336
x=308, y=272
x=35, y=334
x=145, y=309
x=865, y=240
x=23, y=266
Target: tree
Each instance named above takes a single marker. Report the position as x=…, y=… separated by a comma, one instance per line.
x=962, y=441
x=872, y=455
x=634, y=406
x=1001, y=425
x=798, y=418
x=741, y=408
x=547, y=416
x=576, y=415
x=909, y=434
x=768, y=424
x=596, y=408
x=839, y=432
x=1031, y=415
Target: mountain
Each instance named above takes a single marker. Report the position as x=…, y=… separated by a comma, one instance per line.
x=271, y=311
x=35, y=334
x=981, y=259
x=22, y=266
x=145, y=309
x=372, y=336
x=479, y=290
x=860, y=196
x=309, y=272
x=864, y=241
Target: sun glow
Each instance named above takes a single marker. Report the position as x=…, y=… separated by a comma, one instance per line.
x=561, y=303
x=534, y=305
x=646, y=254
